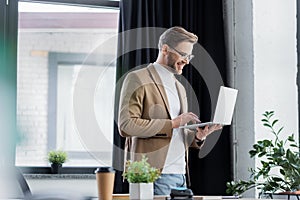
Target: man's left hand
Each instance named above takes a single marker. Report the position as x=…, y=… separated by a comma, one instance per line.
x=202, y=133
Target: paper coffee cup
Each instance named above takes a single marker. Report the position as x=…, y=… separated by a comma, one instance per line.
x=105, y=177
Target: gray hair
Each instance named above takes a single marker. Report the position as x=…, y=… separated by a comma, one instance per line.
x=175, y=35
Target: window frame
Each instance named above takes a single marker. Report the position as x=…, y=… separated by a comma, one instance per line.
x=8, y=79
x=90, y=3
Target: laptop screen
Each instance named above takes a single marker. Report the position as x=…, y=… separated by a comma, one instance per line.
x=225, y=106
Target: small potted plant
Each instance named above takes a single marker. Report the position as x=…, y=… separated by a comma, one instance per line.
x=56, y=158
x=140, y=176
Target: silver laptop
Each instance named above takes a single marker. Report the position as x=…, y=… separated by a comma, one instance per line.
x=224, y=109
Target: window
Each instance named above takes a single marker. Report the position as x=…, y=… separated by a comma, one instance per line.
x=66, y=80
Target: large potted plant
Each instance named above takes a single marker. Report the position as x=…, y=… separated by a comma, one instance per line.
x=277, y=155
x=140, y=176
x=56, y=158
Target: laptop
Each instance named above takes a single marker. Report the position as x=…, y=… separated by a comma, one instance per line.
x=224, y=109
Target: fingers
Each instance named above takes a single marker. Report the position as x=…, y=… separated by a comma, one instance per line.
x=188, y=117
x=207, y=130
x=195, y=118
x=184, y=119
x=215, y=127
x=219, y=127
x=192, y=115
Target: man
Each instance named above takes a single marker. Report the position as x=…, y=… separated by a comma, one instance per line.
x=153, y=104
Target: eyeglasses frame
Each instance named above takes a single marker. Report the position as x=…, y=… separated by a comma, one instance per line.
x=183, y=55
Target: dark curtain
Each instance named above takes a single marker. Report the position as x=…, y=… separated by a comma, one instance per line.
x=137, y=46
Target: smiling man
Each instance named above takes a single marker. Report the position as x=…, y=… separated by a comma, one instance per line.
x=153, y=104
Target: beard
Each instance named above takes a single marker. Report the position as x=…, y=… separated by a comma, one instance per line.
x=172, y=65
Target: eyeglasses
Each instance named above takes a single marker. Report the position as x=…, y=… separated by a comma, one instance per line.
x=183, y=55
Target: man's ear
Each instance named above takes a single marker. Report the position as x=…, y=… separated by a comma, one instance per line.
x=164, y=49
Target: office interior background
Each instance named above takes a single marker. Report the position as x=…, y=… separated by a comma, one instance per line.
x=46, y=46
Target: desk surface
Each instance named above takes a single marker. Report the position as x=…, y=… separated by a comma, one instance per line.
x=163, y=197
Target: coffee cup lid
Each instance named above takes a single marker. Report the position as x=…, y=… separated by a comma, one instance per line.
x=104, y=169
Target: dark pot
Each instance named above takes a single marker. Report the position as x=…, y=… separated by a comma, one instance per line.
x=55, y=168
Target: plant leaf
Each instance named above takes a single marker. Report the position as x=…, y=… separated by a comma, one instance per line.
x=274, y=122
x=268, y=125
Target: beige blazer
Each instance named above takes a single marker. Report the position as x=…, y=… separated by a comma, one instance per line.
x=144, y=116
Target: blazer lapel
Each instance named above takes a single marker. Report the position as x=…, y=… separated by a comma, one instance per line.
x=158, y=82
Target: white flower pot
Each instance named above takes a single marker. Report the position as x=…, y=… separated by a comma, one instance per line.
x=141, y=191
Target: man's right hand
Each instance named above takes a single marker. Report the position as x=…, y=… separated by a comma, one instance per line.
x=184, y=118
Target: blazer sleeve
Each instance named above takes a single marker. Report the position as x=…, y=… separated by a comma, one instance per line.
x=131, y=121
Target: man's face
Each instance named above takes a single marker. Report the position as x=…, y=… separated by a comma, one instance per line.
x=179, y=56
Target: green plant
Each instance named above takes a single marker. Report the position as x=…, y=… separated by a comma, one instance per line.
x=140, y=171
x=57, y=157
x=281, y=155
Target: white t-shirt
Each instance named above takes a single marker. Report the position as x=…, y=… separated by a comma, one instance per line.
x=175, y=160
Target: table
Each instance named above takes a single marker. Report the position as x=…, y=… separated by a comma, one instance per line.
x=288, y=193
x=163, y=197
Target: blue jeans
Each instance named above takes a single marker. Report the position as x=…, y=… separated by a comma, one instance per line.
x=166, y=182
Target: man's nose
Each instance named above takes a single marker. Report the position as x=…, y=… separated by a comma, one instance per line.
x=185, y=61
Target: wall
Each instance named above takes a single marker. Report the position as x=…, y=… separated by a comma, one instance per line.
x=240, y=47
